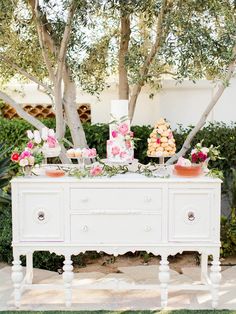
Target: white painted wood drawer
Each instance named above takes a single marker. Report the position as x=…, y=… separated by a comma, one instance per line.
x=116, y=229
x=41, y=215
x=191, y=215
x=116, y=199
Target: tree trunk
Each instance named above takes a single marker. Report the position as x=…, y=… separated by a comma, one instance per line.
x=124, y=45
x=73, y=119
x=221, y=88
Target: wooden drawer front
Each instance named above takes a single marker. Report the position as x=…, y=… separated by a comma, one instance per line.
x=41, y=216
x=190, y=215
x=116, y=199
x=115, y=229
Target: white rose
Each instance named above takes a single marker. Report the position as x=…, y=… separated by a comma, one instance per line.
x=37, y=137
x=51, y=132
x=44, y=134
x=205, y=150
x=30, y=134
x=23, y=162
x=31, y=160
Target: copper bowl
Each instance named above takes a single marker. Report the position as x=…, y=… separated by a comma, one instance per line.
x=54, y=173
x=190, y=171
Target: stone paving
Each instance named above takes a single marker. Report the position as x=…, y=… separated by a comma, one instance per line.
x=117, y=299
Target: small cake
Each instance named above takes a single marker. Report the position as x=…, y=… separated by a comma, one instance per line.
x=70, y=153
x=161, y=142
x=120, y=146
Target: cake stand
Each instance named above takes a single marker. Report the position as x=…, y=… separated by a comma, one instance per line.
x=162, y=170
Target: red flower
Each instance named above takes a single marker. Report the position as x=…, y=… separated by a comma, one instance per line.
x=158, y=141
x=194, y=158
x=202, y=156
x=15, y=157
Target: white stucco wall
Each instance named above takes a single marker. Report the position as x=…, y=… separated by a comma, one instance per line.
x=180, y=104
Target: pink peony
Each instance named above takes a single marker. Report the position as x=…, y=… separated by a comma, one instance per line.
x=30, y=145
x=25, y=154
x=123, y=128
x=51, y=141
x=115, y=150
x=92, y=153
x=96, y=171
x=114, y=134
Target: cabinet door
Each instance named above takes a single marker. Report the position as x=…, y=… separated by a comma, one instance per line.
x=41, y=215
x=190, y=215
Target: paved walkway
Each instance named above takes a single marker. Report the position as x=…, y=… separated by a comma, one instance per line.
x=119, y=300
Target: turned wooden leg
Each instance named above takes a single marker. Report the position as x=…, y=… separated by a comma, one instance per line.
x=215, y=277
x=17, y=277
x=29, y=268
x=68, y=276
x=204, y=267
x=164, y=277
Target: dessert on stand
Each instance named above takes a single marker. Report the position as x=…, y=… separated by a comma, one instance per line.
x=161, y=144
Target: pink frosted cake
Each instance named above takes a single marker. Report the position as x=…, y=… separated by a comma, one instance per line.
x=120, y=146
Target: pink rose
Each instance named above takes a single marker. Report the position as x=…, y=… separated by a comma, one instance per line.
x=51, y=141
x=115, y=150
x=170, y=135
x=114, y=134
x=30, y=145
x=96, y=171
x=123, y=128
x=92, y=153
x=24, y=154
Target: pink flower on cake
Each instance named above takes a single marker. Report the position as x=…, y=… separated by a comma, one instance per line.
x=123, y=128
x=114, y=134
x=128, y=144
x=115, y=150
x=122, y=154
x=96, y=171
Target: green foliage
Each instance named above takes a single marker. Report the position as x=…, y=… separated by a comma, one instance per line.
x=5, y=197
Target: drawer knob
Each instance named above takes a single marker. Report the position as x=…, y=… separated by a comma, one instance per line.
x=41, y=215
x=191, y=216
x=147, y=199
x=147, y=229
x=85, y=228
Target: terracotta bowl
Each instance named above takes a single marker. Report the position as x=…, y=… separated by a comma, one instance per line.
x=191, y=171
x=54, y=173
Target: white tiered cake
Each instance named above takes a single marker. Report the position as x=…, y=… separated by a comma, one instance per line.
x=120, y=146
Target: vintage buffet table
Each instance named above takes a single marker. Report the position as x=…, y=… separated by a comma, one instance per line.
x=124, y=213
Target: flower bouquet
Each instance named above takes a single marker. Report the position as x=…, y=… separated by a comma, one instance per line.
x=198, y=161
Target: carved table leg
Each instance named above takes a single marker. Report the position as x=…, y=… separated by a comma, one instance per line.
x=215, y=277
x=68, y=276
x=29, y=267
x=164, y=277
x=204, y=267
x=17, y=277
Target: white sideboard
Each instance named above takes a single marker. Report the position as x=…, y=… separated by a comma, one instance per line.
x=124, y=213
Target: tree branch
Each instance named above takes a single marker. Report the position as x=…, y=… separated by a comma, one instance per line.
x=65, y=40
x=144, y=70
x=26, y=74
x=42, y=41
x=221, y=88
x=21, y=112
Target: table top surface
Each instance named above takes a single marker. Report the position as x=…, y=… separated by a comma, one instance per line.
x=127, y=177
